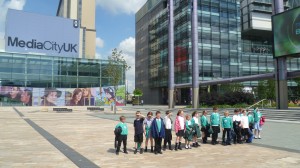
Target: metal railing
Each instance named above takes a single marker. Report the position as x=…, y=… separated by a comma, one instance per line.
x=261, y=101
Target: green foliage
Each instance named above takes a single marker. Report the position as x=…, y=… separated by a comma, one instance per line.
x=121, y=92
x=137, y=92
x=223, y=106
x=232, y=87
x=228, y=98
x=116, y=68
x=266, y=90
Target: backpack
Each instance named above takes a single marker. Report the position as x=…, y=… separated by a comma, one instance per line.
x=262, y=120
x=118, y=131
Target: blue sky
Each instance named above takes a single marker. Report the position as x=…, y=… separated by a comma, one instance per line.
x=115, y=25
x=111, y=27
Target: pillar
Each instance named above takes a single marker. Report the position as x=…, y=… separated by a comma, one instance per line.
x=195, y=55
x=280, y=69
x=171, y=54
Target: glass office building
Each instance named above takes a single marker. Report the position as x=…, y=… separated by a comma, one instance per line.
x=40, y=75
x=227, y=48
x=25, y=70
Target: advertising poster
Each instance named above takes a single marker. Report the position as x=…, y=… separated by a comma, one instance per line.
x=80, y=97
x=104, y=96
x=18, y=95
x=107, y=95
x=48, y=97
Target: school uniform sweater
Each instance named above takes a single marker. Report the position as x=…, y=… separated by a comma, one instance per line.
x=203, y=121
x=124, y=128
x=227, y=122
x=250, y=118
x=215, y=119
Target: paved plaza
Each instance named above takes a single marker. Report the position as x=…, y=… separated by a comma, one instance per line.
x=35, y=137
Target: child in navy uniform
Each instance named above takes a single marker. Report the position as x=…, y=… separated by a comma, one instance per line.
x=158, y=132
x=138, y=131
x=123, y=135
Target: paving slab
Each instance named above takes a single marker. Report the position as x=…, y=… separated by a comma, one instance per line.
x=93, y=138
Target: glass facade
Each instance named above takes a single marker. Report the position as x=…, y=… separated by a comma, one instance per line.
x=219, y=42
x=25, y=70
x=234, y=39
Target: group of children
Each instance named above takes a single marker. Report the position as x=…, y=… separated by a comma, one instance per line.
x=239, y=128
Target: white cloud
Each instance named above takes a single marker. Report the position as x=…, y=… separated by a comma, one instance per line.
x=98, y=55
x=121, y=6
x=128, y=48
x=99, y=42
x=4, y=5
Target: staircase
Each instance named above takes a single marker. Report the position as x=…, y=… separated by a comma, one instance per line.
x=282, y=115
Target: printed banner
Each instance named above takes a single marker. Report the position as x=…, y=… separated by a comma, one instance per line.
x=17, y=95
x=103, y=96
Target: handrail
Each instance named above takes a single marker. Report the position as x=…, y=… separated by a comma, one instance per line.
x=256, y=103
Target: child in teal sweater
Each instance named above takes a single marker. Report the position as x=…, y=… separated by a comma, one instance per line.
x=122, y=137
x=188, y=131
x=226, y=128
x=215, y=125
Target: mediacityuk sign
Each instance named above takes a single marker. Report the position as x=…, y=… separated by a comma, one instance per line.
x=32, y=33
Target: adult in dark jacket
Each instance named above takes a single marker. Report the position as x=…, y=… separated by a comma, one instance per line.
x=158, y=132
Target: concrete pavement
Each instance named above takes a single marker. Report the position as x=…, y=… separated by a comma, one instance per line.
x=69, y=139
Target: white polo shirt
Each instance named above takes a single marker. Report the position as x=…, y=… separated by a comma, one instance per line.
x=236, y=118
x=181, y=122
x=168, y=123
x=245, y=121
x=196, y=120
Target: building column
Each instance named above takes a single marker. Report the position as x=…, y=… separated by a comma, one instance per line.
x=171, y=54
x=195, y=55
x=280, y=69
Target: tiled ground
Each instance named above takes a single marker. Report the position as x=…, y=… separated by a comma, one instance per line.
x=92, y=137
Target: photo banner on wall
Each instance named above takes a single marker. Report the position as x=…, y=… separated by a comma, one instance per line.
x=103, y=96
x=80, y=97
x=17, y=95
x=106, y=96
x=48, y=97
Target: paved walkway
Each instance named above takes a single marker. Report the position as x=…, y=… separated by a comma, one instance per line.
x=30, y=138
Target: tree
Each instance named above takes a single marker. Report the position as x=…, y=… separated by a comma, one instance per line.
x=116, y=68
x=266, y=89
x=138, y=92
x=261, y=90
x=232, y=87
x=271, y=94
